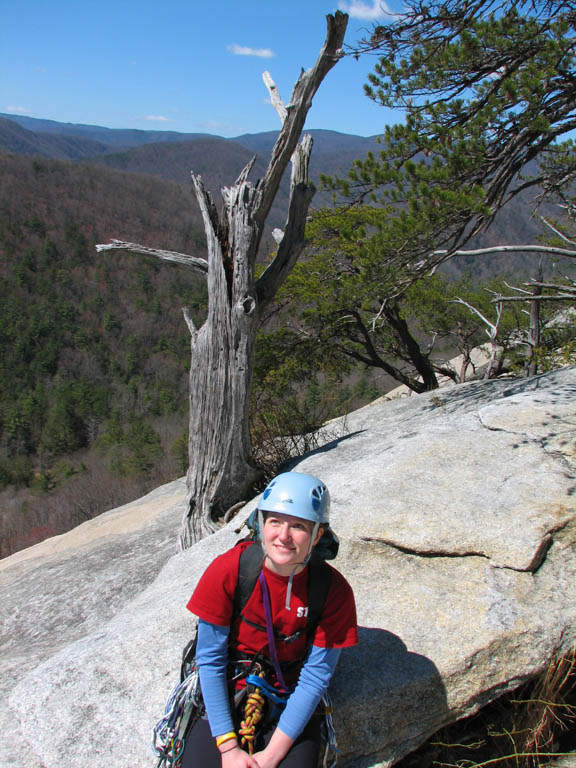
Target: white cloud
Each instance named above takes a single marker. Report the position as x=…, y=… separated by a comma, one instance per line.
x=157, y=118
x=366, y=11
x=17, y=110
x=243, y=50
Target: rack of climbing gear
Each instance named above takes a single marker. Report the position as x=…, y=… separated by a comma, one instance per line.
x=183, y=708
x=331, y=751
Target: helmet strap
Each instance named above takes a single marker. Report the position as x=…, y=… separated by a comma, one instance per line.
x=312, y=541
x=304, y=563
x=261, y=528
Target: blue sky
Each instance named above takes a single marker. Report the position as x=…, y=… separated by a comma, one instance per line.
x=190, y=66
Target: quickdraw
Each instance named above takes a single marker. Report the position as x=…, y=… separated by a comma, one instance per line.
x=331, y=751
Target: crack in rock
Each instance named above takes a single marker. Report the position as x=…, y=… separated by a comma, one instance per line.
x=419, y=552
x=535, y=563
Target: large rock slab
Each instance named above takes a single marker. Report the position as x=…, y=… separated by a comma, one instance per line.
x=71, y=585
x=457, y=521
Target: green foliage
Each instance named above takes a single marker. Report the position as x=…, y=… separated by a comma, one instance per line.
x=73, y=404
x=15, y=471
x=132, y=448
x=179, y=450
x=84, y=336
x=347, y=307
x=436, y=307
x=485, y=89
x=43, y=481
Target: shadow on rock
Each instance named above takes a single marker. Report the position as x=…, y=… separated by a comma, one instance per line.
x=387, y=700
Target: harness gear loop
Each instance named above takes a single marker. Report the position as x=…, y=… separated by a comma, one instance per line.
x=252, y=716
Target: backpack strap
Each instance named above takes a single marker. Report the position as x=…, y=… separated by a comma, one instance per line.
x=319, y=580
x=249, y=568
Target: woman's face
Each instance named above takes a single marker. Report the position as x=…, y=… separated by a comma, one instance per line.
x=286, y=541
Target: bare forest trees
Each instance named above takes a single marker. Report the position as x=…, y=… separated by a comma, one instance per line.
x=221, y=469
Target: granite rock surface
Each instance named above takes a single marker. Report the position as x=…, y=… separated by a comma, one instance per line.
x=456, y=512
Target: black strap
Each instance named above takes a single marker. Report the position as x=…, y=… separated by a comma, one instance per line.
x=249, y=568
x=188, y=656
x=319, y=580
x=279, y=635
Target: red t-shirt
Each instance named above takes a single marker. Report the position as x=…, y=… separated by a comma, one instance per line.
x=213, y=601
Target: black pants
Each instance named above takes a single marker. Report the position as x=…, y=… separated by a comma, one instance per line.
x=201, y=750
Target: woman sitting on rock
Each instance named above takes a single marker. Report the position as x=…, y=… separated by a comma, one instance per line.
x=262, y=678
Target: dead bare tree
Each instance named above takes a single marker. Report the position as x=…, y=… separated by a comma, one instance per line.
x=535, y=294
x=221, y=470
x=495, y=361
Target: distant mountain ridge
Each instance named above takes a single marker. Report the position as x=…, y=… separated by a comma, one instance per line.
x=172, y=155
x=21, y=141
x=114, y=137
x=325, y=141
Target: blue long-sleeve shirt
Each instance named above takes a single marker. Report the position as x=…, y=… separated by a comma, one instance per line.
x=212, y=660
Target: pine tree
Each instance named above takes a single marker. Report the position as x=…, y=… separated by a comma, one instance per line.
x=488, y=91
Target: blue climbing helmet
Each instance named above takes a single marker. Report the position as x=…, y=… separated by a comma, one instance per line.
x=299, y=495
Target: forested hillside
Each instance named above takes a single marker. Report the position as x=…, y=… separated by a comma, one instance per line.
x=94, y=348
x=171, y=155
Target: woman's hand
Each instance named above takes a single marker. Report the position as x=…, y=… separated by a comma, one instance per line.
x=237, y=758
x=275, y=751
x=265, y=760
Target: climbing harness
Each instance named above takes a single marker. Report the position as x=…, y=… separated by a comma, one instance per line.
x=185, y=705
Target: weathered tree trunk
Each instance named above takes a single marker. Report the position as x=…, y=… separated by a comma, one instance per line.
x=220, y=467
x=221, y=470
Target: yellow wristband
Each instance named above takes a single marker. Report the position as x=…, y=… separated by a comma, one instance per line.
x=225, y=737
